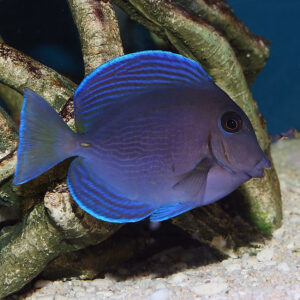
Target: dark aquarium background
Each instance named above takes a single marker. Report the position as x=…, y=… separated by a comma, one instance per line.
x=45, y=31
x=277, y=88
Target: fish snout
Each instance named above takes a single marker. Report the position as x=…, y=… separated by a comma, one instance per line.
x=258, y=170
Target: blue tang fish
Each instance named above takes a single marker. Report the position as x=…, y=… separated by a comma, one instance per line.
x=155, y=137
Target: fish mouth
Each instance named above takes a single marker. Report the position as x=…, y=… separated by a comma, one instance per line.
x=258, y=170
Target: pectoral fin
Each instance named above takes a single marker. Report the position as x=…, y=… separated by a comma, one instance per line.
x=193, y=183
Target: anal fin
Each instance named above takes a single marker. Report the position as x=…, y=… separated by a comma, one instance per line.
x=96, y=198
x=170, y=210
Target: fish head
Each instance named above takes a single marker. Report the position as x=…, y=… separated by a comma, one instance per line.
x=233, y=143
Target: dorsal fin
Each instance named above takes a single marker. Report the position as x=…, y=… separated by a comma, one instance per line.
x=127, y=76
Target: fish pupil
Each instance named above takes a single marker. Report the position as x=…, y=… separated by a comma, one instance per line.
x=232, y=124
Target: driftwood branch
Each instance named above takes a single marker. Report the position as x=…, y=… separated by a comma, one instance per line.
x=8, y=145
x=37, y=239
x=98, y=31
x=251, y=51
x=19, y=71
x=12, y=100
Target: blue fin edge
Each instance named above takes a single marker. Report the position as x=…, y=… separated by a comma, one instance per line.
x=131, y=56
x=97, y=215
x=21, y=135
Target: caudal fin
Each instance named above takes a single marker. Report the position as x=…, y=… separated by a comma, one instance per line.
x=44, y=138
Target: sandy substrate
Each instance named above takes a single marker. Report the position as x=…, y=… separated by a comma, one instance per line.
x=273, y=274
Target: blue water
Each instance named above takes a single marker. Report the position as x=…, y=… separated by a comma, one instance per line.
x=277, y=88
x=57, y=57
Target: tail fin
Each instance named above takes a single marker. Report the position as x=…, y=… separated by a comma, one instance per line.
x=44, y=138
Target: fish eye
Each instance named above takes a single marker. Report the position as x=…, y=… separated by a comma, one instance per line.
x=231, y=122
